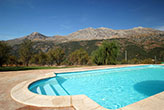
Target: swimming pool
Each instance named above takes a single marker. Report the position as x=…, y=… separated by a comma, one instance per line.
x=111, y=88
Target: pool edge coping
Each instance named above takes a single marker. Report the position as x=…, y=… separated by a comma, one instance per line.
x=23, y=95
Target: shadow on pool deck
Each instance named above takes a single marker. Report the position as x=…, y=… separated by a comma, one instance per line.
x=150, y=87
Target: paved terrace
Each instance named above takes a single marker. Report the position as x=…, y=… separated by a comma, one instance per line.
x=9, y=79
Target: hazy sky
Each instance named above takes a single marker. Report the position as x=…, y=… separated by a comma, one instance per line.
x=62, y=17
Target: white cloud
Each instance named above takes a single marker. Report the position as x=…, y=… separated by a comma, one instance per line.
x=160, y=28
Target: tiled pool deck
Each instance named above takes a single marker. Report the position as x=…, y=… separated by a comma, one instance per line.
x=21, y=94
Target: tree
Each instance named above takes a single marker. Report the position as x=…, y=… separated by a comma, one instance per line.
x=4, y=52
x=106, y=54
x=50, y=57
x=35, y=59
x=55, y=56
x=59, y=55
x=161, y=55
x=26, y=52
x=42, y=58
x=39, y=58
x=78, y=57
x=12, y=60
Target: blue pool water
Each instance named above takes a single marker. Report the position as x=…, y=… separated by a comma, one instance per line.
x=111, y=88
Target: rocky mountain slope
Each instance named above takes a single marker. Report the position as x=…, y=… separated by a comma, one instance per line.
x=106, y=33
x=91, y=34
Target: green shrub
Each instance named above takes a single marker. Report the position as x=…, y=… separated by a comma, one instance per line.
x=106, y=54
x=78, y=57
x=147, y=61
x=134, y=61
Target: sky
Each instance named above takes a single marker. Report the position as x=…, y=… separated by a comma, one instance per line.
x=62, y=17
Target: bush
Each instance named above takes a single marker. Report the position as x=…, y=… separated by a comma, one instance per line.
x=147, y=61
x=124, y=62
x=78, y=57
x=106, y=54
x=134, y=61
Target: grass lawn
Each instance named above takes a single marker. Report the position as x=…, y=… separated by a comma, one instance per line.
x=19, y=68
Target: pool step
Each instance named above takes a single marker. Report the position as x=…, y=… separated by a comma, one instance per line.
x=41, y=90
x=59, y=89
x=53, y=89
x=38, y=90
x=49, y=90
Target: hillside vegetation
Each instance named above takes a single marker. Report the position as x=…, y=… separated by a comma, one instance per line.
x=135, y=50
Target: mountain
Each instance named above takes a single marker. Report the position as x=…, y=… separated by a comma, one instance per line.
x=58, y=39
x=106, y=33
x=35, y=36
x=90, y=34
x=139, y=42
